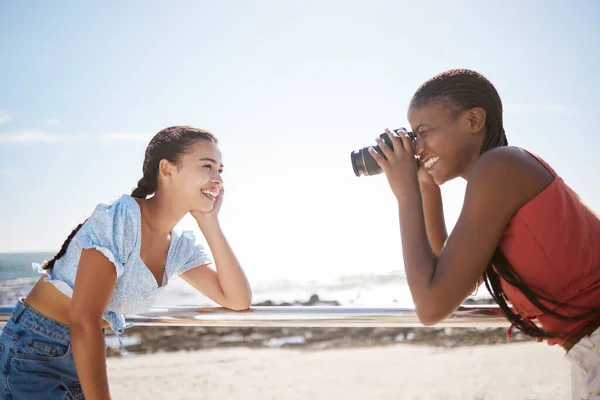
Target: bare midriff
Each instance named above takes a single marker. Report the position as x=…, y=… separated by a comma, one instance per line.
x=46, y=299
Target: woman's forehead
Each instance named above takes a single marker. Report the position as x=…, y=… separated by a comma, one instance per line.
x=426, y=112
x=430, y=112
x=205, y=148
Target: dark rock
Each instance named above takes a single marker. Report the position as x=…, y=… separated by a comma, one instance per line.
x=156, y=338
x=472, y=301
x=314, y=300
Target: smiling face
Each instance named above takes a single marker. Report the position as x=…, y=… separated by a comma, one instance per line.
x=196, y=179
x=448, y=139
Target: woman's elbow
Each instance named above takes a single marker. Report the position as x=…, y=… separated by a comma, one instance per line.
x=430, y=316
x=239, y=307
x=240, y=304
x=83, y=323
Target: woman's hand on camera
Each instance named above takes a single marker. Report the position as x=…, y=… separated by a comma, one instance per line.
x=399, y=163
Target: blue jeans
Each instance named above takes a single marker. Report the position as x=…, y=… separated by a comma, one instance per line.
x=36, y=361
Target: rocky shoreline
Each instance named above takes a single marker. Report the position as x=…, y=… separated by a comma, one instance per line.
x=155, y=339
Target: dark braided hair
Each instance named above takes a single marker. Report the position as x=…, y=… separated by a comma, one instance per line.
x=464, y=89
x=169, y=144
x=63, y=248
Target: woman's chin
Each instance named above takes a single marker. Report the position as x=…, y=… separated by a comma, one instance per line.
x=204, y=208
x=438, y=180
x=441, y=178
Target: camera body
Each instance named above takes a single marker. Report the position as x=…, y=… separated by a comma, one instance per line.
x=363, y=162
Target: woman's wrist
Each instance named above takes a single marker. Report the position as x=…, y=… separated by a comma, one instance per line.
x=429, y=187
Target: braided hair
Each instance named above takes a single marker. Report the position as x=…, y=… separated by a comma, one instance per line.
x=464, y=89
x=170, y=144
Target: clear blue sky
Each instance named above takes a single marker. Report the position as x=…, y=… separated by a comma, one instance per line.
x=290, y=88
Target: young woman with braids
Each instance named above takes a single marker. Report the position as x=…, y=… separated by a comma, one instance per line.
x=116, y=263
x=522, y=229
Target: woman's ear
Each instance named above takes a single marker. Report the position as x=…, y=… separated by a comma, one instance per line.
x=165, y=168
x=476, y=117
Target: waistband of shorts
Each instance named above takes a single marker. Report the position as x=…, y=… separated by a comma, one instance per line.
x=39, y=322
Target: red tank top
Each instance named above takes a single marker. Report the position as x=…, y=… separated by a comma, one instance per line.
x=553, y=243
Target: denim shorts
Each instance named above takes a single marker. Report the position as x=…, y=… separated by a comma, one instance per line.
x=36, y=361
x=585, y=367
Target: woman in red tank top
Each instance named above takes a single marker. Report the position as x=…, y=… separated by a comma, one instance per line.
x=522, y=230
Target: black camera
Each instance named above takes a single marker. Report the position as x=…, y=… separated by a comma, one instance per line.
x=363, y=162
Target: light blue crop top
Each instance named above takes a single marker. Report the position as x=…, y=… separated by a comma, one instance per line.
x=115, y=230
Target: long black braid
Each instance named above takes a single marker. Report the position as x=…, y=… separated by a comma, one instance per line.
x=170, y=144
x=466, y=89
x=63, y=248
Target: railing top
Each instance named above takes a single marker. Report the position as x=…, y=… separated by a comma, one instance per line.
x=476, y=316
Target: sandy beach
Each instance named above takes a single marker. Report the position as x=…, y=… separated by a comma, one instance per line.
x=526, y=370
x=336, y=363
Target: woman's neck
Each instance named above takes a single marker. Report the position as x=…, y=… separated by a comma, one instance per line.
x=161, y=213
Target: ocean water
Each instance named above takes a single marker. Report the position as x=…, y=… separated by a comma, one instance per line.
x=16, y=275
x=382, y=289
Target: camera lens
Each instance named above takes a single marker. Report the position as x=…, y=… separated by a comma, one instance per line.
x=363, y=162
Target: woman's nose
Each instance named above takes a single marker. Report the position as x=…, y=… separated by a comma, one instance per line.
x=218, y=180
